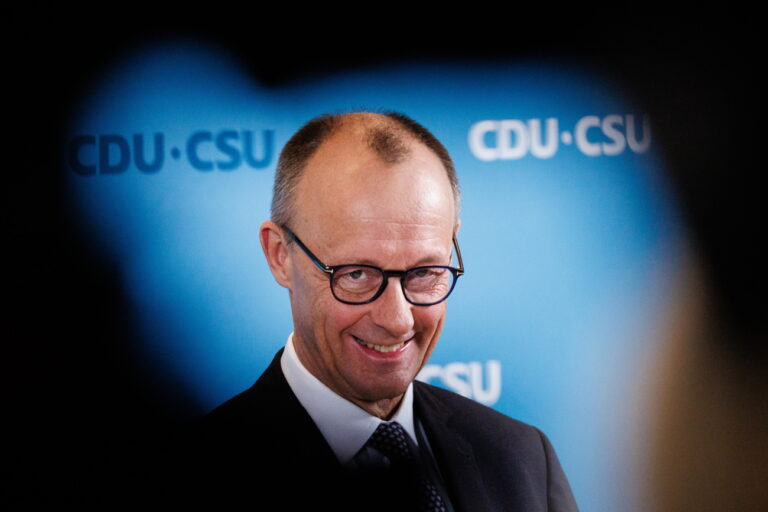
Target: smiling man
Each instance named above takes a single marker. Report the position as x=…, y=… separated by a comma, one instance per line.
x=363, y=237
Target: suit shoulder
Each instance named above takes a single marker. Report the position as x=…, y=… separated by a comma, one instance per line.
x=505, y=449
x=457, y=402
x=477, y=417
x=270, y=391
x=236, y=407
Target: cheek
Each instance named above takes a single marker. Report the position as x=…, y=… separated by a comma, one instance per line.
x=430, y=320
x=430, y=323
x=341, y=316
x=308, y=294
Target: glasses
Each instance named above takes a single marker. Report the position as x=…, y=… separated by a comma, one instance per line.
x=363, y=284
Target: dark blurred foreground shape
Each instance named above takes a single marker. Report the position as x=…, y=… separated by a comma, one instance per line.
x=709, y=408
x=709, y=426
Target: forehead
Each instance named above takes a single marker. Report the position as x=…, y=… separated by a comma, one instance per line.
x=347, y=192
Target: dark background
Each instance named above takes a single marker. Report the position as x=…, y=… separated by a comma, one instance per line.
x=81, y=406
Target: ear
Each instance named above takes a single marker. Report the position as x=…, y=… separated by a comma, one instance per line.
x=274, y=243
x=456, y=228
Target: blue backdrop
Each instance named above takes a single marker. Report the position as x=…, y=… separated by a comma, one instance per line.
x=170, y=161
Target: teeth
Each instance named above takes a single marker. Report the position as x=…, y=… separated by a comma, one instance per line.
x=380, y=348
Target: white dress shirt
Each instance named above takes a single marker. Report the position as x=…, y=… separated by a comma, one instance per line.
x=345, y=426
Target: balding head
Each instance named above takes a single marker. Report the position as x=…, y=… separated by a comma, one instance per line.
x=390, y=136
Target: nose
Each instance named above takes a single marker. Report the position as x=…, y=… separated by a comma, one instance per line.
x=392, y=312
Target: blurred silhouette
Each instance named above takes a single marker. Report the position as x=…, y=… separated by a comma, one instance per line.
x=710, y=426
x=709, y=420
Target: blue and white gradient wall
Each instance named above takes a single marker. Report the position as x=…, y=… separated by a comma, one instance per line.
x=567, y=234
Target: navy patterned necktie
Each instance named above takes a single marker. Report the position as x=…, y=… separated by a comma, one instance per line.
x=392, y=441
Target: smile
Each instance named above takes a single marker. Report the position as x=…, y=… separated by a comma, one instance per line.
x=381, y=348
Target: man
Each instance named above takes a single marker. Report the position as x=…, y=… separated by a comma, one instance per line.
x=364, y=220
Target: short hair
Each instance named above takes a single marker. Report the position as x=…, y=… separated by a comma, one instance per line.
x=386, y=139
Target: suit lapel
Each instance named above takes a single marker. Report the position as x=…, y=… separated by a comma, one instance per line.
x=453, y=452
x=297, y=431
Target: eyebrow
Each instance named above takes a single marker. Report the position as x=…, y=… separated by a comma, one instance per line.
x=422, y=262
x=425, y=261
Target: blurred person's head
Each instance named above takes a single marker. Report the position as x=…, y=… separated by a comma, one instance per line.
x=710, y=424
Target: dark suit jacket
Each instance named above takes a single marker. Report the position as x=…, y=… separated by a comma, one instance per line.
x=262, y=445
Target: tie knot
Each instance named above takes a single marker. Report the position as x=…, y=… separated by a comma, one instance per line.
x=391, y=439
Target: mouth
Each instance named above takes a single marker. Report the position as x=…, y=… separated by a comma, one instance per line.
x=381, y=348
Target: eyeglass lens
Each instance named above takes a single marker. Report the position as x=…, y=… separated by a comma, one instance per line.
x=422, y=285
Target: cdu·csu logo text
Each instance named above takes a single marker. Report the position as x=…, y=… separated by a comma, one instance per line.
x=511, y=139
x=471, y=380
x=203, y=150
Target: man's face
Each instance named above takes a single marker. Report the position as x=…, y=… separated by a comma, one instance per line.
x=354, y=208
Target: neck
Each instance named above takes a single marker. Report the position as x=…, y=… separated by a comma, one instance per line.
x=383, y=409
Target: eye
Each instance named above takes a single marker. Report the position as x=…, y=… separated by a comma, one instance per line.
x=425, y=272
x=357, y=279
x=356, y=274
x=428, y=284
x=425, y=277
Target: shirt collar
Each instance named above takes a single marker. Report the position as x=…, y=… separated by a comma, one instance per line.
x=345, y=426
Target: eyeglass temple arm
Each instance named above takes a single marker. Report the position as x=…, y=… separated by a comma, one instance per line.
x=325, y=268
x=460, y=270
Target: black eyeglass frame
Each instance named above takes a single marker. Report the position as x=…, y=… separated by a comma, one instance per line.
x=332, y=269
